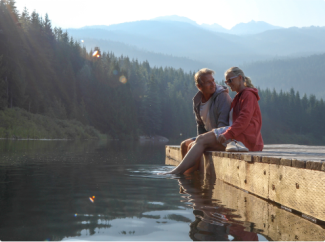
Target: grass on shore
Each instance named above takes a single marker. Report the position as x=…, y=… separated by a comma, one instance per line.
x=16, y=123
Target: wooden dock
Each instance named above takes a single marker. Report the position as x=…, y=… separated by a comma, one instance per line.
x=292, y=176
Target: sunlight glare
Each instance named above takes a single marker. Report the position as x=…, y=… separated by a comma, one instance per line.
x=123, y=79
x=95, y=53
x=92, y=199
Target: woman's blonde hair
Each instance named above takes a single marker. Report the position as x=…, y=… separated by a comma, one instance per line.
x=200, y=73
x=238, y=72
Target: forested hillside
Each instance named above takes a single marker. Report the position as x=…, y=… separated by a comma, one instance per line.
x=133, y=52
x=306, y=74
x=44, y=71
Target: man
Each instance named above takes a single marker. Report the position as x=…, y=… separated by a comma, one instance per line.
x=211, y=106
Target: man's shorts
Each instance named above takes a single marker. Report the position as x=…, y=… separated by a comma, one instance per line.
x=217, y=132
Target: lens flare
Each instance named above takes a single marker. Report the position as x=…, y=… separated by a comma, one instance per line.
x=95, y=53
x=98, y=56
x=82, y=41
x=123, y=79
x=92, y=199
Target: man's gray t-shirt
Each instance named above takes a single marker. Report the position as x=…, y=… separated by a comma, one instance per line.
x=204, y=113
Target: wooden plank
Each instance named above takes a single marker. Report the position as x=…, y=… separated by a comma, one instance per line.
x=171, y=162
x=245, y=157
x=271, y=160
x=174, y=153
x=228, y=169
x=252, y=177
x=314, y=165
x=299, y=189
x=257, y=179
x=285, y=162
x=257, y=158
x=292, y=186
x=298, y=163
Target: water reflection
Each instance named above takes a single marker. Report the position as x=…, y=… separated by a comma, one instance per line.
x=46, y=186
x=213, y=221
x=88, y=190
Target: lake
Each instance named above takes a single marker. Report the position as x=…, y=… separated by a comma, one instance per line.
x=95, y=190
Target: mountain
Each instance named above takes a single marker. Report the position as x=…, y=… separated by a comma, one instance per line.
x=175, y=18
x=252, y=27
x=155, y=59
x=304, y=74
x=290, y=41
x=217, y=50
x=175, y=38
x=215, y=28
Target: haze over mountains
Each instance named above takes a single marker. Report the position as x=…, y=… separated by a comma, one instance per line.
x=252, y=27
x=182, y=43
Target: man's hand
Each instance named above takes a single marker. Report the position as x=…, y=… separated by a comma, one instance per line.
x=221, y=139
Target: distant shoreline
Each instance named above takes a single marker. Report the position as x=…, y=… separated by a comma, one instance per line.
x=153, y=138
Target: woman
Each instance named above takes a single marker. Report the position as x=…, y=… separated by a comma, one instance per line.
x=245, y=120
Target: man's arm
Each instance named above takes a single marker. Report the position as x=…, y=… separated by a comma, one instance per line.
x=223, y=109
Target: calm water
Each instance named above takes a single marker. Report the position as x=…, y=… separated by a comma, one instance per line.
x=67, y=190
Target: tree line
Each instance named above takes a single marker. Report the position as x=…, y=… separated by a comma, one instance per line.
x=44, y=71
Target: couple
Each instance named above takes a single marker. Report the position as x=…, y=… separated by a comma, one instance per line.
x=222, y=124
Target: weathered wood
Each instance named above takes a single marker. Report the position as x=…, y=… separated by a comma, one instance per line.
x=294, y=183
x=257, y=158
x=252, y=177
x=271, y=160
x=248, y=158
x=298, y=163
x=300, y=189
x=314, y=165
x=174, y=152
x=285, y=162
x=171, y=162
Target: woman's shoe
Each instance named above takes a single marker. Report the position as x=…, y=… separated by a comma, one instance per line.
x=232, y=147
x=241, y=147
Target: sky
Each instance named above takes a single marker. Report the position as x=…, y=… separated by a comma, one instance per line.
x=227, y=13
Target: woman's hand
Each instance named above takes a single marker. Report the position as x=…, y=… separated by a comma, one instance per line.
x=221, y=139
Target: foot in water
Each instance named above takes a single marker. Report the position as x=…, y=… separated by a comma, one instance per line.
x=163, y=173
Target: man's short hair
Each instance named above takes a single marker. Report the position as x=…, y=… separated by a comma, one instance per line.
x=200, y=73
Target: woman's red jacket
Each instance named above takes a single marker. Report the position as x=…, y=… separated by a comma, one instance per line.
x=247, y=120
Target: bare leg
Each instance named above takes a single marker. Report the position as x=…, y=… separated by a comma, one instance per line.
x=204, y=141
x=197, y=163
x=185, y=146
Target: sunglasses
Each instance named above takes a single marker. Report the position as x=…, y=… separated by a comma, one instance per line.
x=230, y=79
